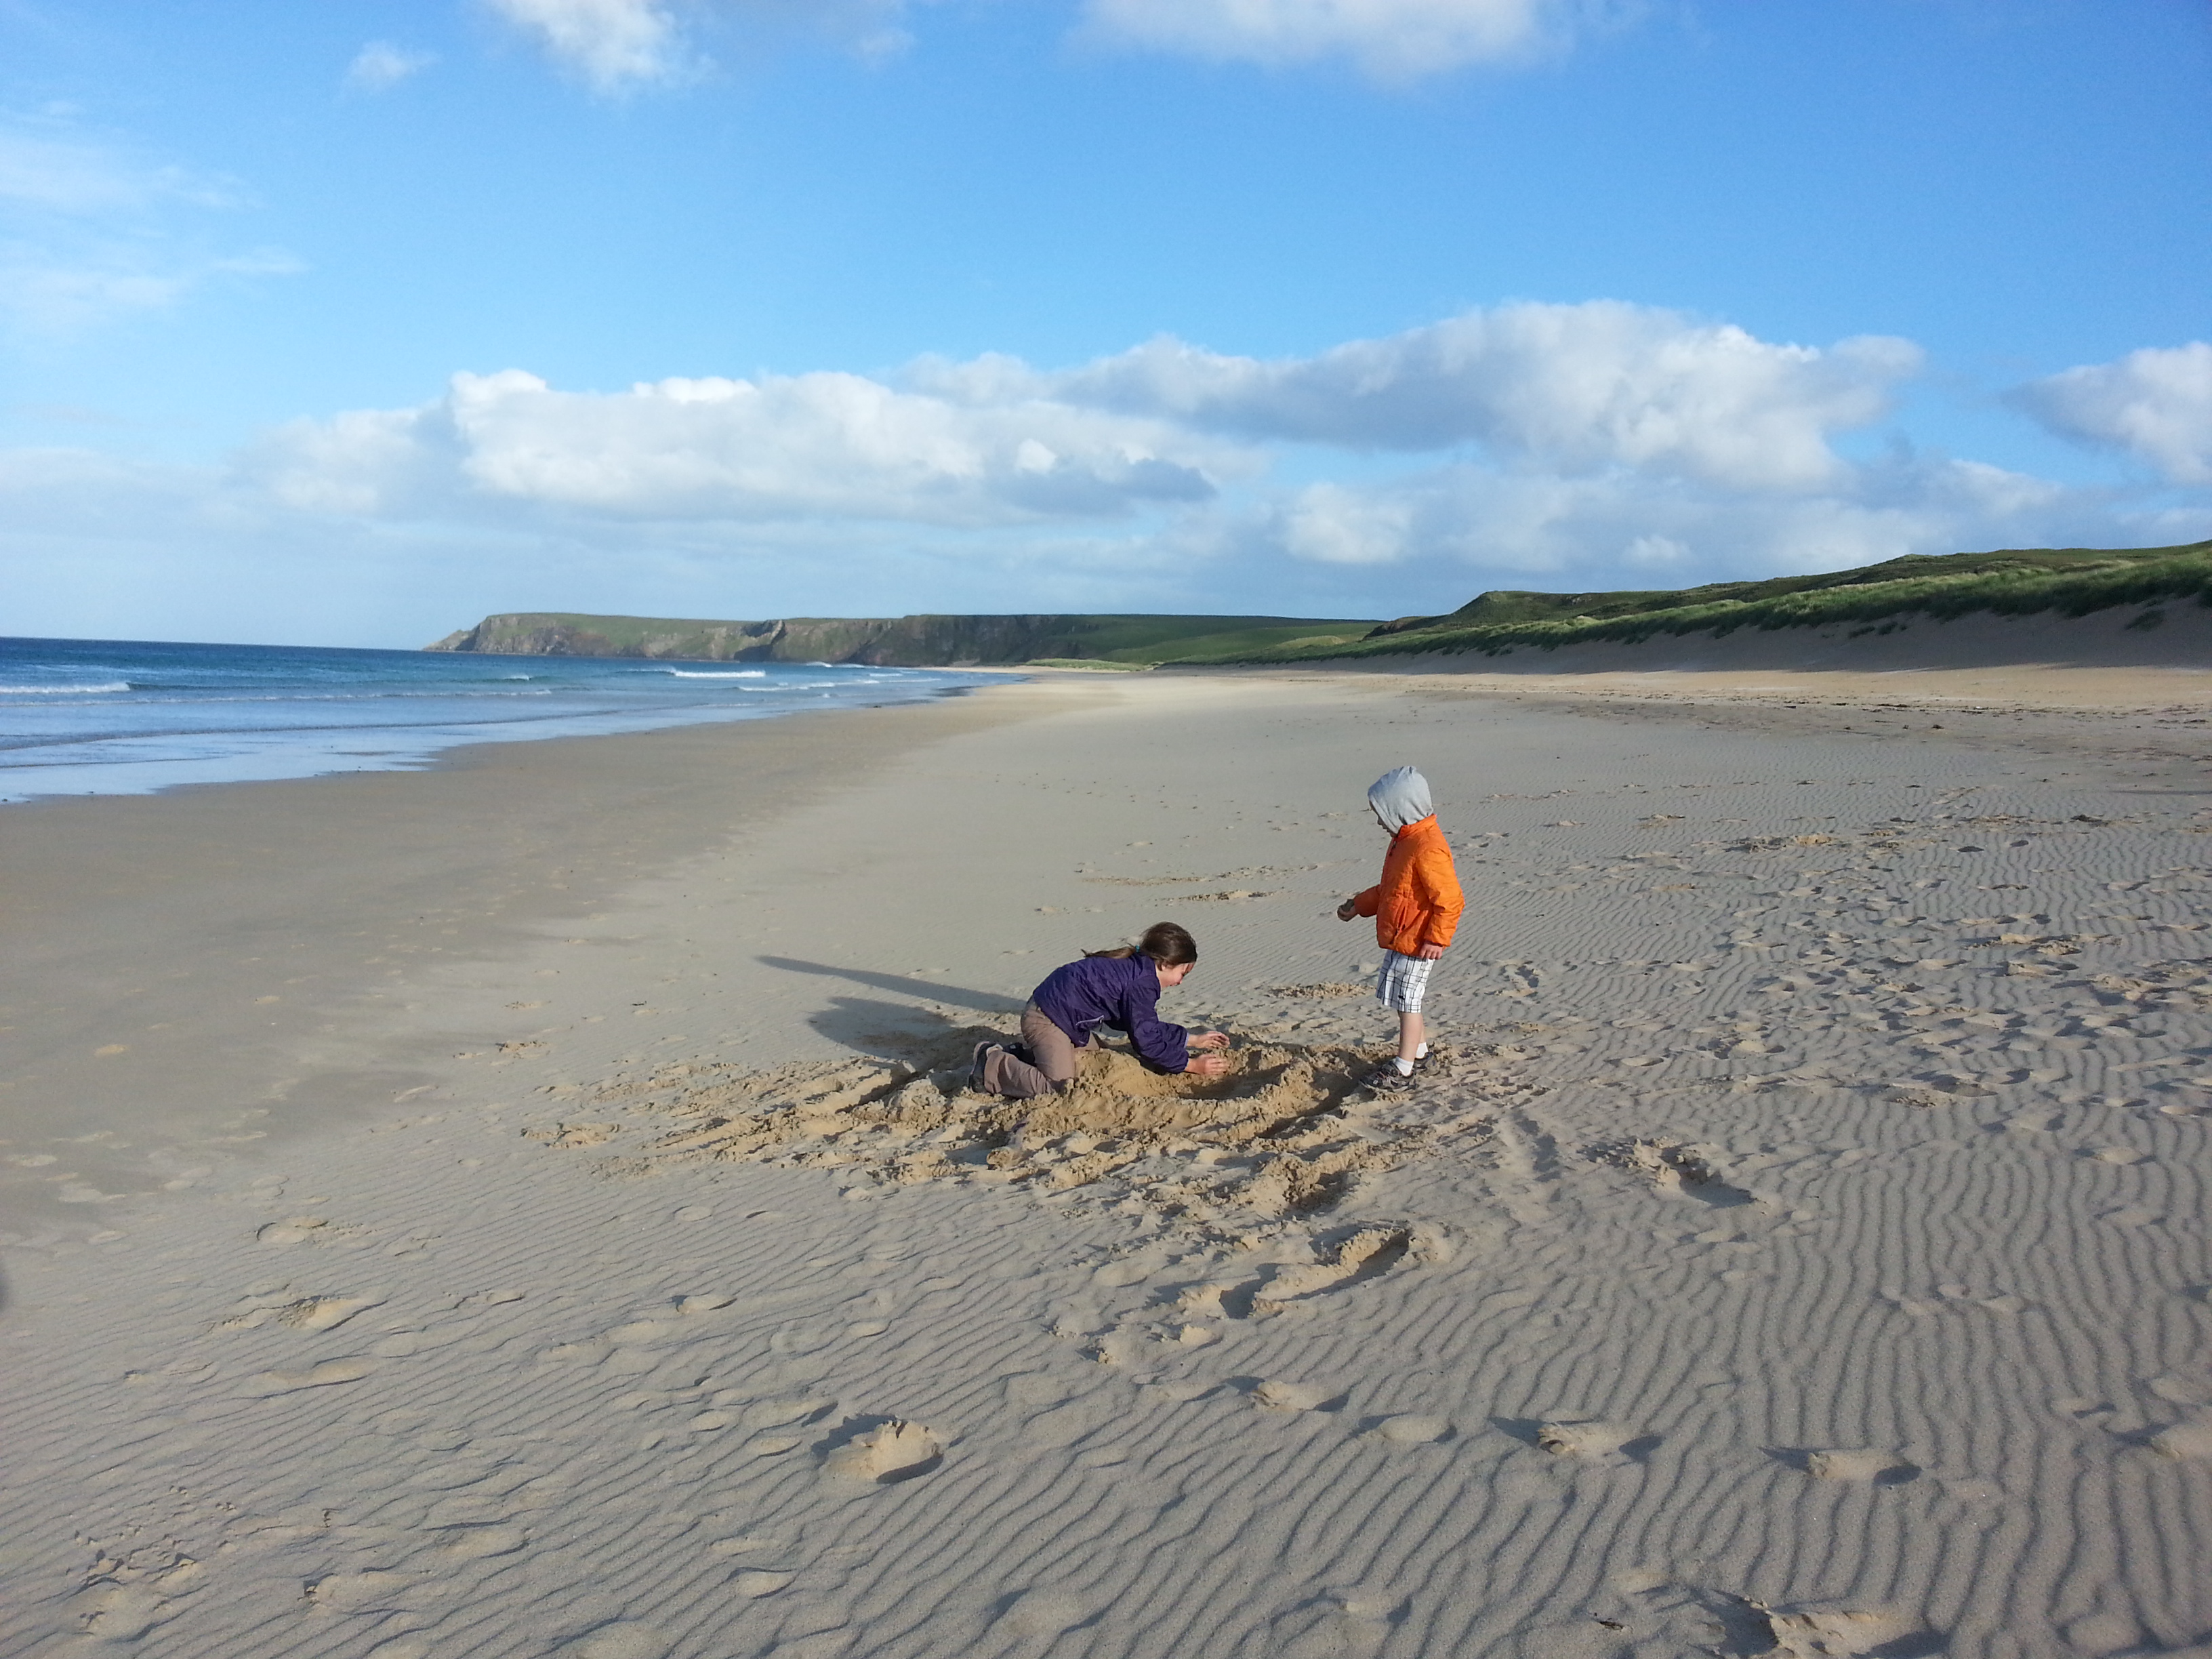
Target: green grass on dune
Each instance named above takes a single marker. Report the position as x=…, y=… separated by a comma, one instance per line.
x=1148, y=640
x=2069, y=582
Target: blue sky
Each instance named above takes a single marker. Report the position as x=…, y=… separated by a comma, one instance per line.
x=341, y=323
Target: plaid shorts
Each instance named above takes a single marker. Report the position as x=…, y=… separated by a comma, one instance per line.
x=1400, y=984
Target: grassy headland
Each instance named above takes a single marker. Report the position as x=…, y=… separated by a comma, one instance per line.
x=924, y=641
x=1872, y=599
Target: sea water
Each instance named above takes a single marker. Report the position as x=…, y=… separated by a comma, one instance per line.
x=99, y=717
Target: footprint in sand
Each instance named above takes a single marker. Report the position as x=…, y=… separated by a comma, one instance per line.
x=1367, y=1253
x=896, y=1451
x=2191, y=1440
x=1044, y=1614
x=1680, y=1169
x=324, y=1312
x=1590, y=1439
x=296, y=1231
x=1882, y=1468
x=1822, y=1630
x=1280, y=1395
x=372, y=1591
x=330, y=1372
x=124, y=1614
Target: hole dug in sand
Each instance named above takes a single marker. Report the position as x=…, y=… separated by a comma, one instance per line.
x=1278, y=1134
x=1827, y=1629
x=891, y=1452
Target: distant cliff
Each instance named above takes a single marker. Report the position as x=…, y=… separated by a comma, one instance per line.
x=924, y=641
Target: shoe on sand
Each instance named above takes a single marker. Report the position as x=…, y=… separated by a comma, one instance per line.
x=983, y=1052
x=1386, y=1080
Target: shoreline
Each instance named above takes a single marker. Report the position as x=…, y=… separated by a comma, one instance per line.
x=214, y=947
x=1807, y=1213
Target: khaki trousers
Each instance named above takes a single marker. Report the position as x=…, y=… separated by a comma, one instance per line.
x=1056, y=1067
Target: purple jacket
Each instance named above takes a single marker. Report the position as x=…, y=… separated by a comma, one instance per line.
x=1118, y=991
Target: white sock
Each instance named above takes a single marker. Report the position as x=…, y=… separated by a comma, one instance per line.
x=1421, y=1052
x=1405, y=1067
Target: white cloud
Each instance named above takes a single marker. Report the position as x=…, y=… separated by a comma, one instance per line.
x=1617, y=529
x=620, y=46
x=614, y=45
x=1654, y=551
x=91, y=229
x=379, y=66
x=2155, y=402
x=820, y=446
x=47, y=167
x=1389, y=39
x=1336, y=526
x=1567, y=387
x=1570, y=449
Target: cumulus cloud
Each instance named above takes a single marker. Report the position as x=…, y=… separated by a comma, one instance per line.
x=1566, y=387
x=618, y=46
x=379, y=66
x=91, y=229
x=1565, y=447
x=1389, y=39
x=1623, y=529
x=2155, y=404
x=1584, y=443
x=1335, y=525
x=797, y=446
x=614, y=45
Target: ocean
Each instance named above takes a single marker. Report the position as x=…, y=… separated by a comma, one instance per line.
x=103, y=717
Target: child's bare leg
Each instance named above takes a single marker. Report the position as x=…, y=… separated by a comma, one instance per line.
x=1412, y=1035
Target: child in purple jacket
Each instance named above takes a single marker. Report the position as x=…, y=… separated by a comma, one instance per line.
x=1119, y=988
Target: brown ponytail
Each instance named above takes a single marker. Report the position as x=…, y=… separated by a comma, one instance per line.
x=1164, y=942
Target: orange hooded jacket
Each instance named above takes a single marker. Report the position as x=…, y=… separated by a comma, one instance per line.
x=1417, y=901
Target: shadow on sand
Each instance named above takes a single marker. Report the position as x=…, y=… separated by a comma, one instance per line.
x=982, y=1001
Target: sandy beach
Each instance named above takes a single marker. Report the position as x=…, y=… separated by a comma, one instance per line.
x=529, y=1207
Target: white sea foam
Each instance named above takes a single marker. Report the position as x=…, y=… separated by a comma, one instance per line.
x=197, y=713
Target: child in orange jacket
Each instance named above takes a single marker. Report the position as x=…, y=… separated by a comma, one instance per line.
x=1416, y=907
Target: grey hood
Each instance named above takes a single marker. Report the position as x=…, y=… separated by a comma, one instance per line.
x=1401, y=797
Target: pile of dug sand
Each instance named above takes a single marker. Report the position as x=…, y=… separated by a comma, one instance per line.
x=1285, y=1132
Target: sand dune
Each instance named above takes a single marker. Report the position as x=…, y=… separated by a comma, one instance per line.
x=1797, y=1246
